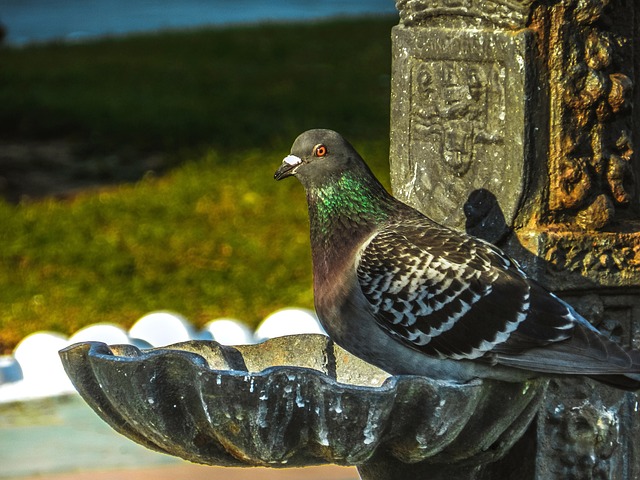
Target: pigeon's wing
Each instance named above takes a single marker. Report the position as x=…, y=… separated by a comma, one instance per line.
x=453, y=296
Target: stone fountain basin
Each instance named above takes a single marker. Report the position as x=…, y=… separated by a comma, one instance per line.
x=293, y=401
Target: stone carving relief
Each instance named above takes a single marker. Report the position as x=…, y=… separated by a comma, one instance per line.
x=505, y=13
x=524, y=109
x=584, y=437
x=457, y=122
x=610, y=254
x=591, y=145
x=458, y=139
x=459, y=111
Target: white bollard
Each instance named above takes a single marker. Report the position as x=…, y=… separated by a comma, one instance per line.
x=162, y=328
x=288, y=321
x=229, y=331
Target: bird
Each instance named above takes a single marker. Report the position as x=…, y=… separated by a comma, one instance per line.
x=414, y=297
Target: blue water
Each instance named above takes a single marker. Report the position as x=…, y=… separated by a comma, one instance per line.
x=33, y=21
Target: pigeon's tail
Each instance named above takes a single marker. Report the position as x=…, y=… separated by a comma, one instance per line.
x=627, y=359
x=623, y=363
x=587, y=353
x=629, y=381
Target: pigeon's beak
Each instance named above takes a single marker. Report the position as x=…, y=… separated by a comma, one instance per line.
x=289, y=166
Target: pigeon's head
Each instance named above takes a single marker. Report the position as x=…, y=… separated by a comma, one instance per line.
x=317, y=156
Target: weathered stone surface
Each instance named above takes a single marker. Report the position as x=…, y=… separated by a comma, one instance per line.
x=221, y=405
x=566, y=260
x=563, y=199
x=451, y=14
x=458, y=113
x=587, y=48
x=587, y=432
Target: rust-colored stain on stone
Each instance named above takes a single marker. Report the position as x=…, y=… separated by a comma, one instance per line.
x=590, y=123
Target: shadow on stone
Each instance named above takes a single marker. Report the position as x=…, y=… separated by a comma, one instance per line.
x=484, y=217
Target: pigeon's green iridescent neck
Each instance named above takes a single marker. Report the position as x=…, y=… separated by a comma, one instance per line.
x=349, y=197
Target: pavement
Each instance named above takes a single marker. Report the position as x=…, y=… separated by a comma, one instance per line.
x=200, y=472
x=61, y=438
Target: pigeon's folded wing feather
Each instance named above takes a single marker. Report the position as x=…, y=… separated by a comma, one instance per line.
x=453, y=296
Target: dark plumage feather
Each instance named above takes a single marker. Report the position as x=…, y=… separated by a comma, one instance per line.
x=405, y=293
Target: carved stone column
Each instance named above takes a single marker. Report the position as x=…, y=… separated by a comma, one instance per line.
x=512, y=119
x=459, y=109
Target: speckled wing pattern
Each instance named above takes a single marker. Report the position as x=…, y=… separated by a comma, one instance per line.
x=453, y=296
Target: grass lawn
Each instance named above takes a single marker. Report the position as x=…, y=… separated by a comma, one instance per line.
x=210, y=233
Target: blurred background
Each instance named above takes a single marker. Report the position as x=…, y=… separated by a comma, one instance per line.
x=138, y=141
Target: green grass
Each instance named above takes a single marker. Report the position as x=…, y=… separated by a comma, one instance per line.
x=232, y=88
x=215, y=236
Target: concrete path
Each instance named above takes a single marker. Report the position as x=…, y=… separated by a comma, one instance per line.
x=61, y=438
x=198, y=472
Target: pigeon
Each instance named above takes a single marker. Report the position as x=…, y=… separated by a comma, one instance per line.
x=414, y=297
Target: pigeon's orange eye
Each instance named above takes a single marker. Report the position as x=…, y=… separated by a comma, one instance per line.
x=320, y=150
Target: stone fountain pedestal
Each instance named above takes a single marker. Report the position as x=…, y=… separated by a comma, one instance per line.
x=513, y=120
x=297, y=401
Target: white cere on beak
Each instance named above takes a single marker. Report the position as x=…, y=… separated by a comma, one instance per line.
x=292, y=160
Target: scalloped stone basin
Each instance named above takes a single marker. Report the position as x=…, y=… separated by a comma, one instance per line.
x=294, y=401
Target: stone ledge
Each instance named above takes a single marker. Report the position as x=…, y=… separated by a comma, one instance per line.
x=570, y=260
